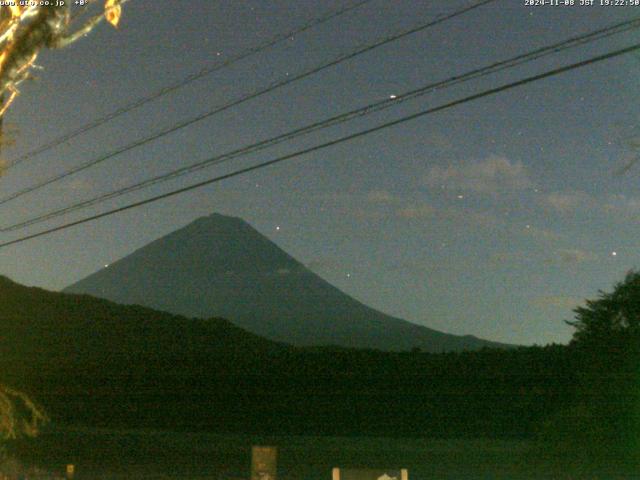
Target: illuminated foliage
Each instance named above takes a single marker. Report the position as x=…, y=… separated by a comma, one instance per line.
x=26, y=30
x=19, y=416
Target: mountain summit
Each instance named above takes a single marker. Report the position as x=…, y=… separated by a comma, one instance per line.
x=221, y=266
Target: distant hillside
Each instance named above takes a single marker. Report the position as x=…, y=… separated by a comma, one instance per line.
x=90, y=361
x=220, y=266
x=47, y=332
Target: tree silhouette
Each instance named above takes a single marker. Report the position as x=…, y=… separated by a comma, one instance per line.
x=607, y=343
x=612, y=320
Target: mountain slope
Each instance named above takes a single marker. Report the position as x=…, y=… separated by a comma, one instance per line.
x=221, y=266
x=50, y=333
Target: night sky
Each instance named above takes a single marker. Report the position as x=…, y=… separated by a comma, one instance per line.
x=494, y=218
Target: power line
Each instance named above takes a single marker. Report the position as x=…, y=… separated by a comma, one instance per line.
x=185, y=81
x=281, y=83
x=359, y=112
x=485, y=93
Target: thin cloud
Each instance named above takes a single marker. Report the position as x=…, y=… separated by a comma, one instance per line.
x=439, y=141
x=502, y=258
x=620, y=204
x=76, y=185
x=574, y=256
x=557, y=301
x=382, y=197
x=324, y=264
x=489, y=176
x=413, y=212
x=565, y=202
x=540, y=233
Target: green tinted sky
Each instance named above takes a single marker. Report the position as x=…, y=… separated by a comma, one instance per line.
x=493, y=218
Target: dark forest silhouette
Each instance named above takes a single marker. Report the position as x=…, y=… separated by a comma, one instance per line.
x=96, y=363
